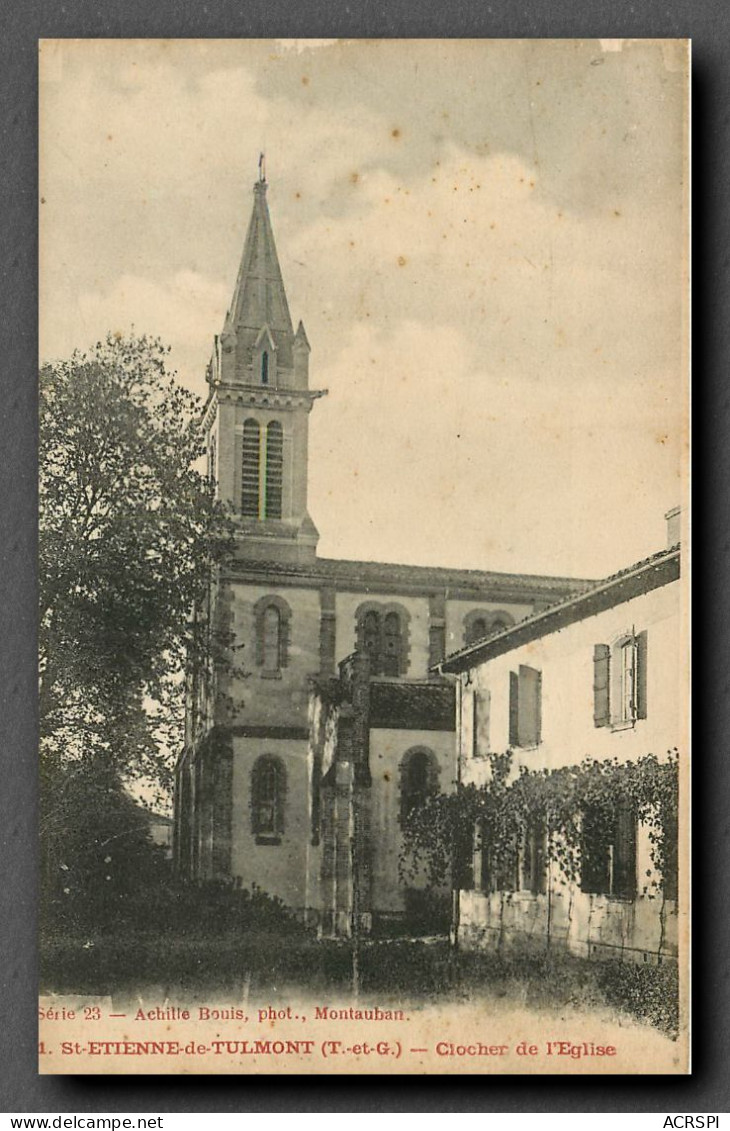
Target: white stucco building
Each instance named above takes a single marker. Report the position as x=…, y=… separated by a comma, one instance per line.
x=601, y=675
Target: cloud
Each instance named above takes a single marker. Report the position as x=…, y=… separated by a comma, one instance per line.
x=490, y=273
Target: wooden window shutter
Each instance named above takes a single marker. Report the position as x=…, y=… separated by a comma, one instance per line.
x=641, y=647
x=529, y=706
x=601, y=696
x=482, y=703
x=514, y=697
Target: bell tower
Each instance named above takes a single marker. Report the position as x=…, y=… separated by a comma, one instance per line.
x=257, y=415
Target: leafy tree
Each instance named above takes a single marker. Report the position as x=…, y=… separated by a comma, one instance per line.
x=130, y=536
x=98, y=846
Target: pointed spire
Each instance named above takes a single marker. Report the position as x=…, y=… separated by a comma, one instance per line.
x=259, y=298
x=300, y=338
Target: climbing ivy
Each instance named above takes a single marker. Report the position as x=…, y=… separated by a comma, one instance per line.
x=440, y=836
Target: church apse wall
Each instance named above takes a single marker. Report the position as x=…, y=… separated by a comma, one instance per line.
x=406, y=766
x=270, y=803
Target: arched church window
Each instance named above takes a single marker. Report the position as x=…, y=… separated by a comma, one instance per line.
x=371, y=639
x=274, y=468
x=480, y=623
x=476, y=630
x=272, y=618
x=382, y=633
x=250, y=469
x=391, y=644
x=418, y=780
x=268, y=791
x=272, y=639
x=265, y=368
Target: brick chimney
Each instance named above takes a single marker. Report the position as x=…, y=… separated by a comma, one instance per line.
x=674, y=521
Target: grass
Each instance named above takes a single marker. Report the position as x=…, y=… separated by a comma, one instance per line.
x=191, y=944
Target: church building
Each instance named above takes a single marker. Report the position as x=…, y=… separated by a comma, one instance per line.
x=328, y=720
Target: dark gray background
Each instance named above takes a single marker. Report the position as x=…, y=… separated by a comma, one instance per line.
x=708, y=24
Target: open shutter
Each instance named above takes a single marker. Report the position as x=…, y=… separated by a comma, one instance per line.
x=482, y=703
x=601, y=698
x=514, y=695
x=641, y=646
x=529, y=707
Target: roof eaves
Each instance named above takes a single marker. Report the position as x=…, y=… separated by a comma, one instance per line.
x=494, y=645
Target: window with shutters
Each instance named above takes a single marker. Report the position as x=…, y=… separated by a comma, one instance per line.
x=525, y=707
x=272, y=618
x=274, y=469
x=620, y=681
x=268, y=791
x=250, y=455
x=418, y=779
x=608, y=851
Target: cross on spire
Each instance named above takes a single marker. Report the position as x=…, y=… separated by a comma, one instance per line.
x=262, y=168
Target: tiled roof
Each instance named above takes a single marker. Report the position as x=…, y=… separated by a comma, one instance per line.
x=641, y=577
x=361, y=574
x=412, y=706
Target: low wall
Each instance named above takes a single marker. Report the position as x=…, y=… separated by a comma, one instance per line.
x=590, y=926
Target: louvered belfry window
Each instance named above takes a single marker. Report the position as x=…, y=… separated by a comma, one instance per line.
x=274, y=469
x=250, y=469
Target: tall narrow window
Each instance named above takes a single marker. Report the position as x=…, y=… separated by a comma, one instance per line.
x=620, y=681
x=627, y=677
x=264, y=368
x=534, y=870
x=391, y=644
x=419, y=777
x=371, y=640
x=211, y=458
x=250, y=470
x=268, y=785
x=272, y=639
x=274, y=468
x=608, y=851
x=272, y=618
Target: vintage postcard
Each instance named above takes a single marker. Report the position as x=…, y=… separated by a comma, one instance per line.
x=364, y=652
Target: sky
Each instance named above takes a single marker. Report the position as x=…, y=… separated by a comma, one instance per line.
x=486, y=241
